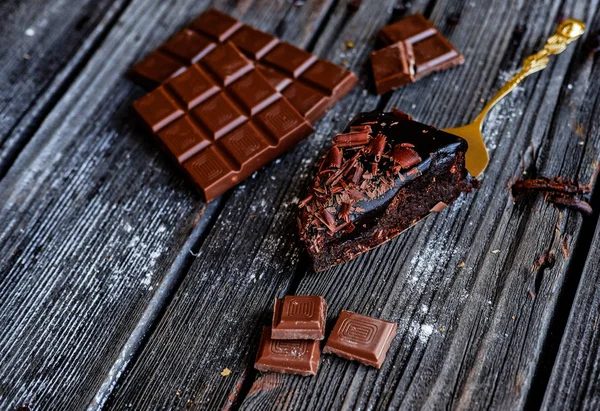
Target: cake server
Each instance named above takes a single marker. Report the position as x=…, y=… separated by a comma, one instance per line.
x=477, y=157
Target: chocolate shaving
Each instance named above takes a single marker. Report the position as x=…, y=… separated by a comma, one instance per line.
x=377, y=146
x=361, y=128
x=453, y=19
x=545, y=184
x=335, y=157
x=572, y=203
x=304, y=202
x=345, y=212
x=406, y=157
x=352, y=139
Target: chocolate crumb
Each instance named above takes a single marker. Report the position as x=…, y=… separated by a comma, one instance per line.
x=544, y=184
x=592, y=43
x=453, y=19
x=353, y=6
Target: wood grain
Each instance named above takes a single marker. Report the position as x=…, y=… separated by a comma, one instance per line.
x=115, y=278
x=43, y=47
x=469, y=337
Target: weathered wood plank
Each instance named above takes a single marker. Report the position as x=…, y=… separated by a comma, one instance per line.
x=575, y=379
x=95, y=216
x=250, y=256
x=43, y=44
x=469, y=337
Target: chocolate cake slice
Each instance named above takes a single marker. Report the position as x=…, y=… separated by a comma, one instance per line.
x=382, y=175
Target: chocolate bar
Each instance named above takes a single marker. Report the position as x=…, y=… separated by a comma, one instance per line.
x=385, y=173
x=425, y=51
x=299, y=318
x=360, y=338
x=299, y=357
x=312, y=85
x=221, y=120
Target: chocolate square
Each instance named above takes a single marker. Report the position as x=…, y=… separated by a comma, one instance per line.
x=393, y=67
x=410, y=29
x=189, y=46
x=299, y=357
x=290, y=59
x=360, y=338
x=155, y=69
x=253, y=42
x=183, y=138
x=216, y=24
x=310, y=102
x=227, y=63
x=299, y=318
x=193, y=86
x=219, y=115
x=158, y=109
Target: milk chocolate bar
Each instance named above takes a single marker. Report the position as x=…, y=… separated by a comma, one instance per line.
x=360, y=338
x=221, y=120
x=310, y=84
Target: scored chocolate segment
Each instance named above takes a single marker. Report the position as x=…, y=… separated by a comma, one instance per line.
x=290, y=59
x=227, y=63
x=188, y=46
x=410, y=29
x=155, y=69
x=299, y=357
x=253, y=42
x=220, y=134
x=215, y=24
x=393, y=67
x=432, y=51
x=299, y=318
x=281, y=63
x=361, y=338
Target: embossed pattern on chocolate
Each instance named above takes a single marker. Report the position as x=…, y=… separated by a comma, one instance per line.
x=299, y=357
x=299, y=317
x=361, y=338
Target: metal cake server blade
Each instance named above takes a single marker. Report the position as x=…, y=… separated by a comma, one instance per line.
x=477, y=157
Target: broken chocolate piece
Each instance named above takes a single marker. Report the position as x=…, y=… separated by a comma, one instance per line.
x=393, y=67
x=299, y=357
x=559, y=191
x=432, y=51
x=379, y=190
x=299, y=318
x=360, y=338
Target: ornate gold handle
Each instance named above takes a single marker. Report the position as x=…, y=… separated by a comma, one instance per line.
x=567, y=31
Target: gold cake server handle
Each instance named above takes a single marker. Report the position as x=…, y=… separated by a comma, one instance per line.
x=477, y=157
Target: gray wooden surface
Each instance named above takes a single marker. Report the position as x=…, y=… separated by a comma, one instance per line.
x=120, y=289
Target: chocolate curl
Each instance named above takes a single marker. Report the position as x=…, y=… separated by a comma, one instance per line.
x=557, y=184
x=352, y=139
x=362, y=128
x=345, y=212
x=406, y=157
x=335, y=157
x=358, y=172
x=304, y=202
x=377, y=146
x=328, y=219
x=572, y=203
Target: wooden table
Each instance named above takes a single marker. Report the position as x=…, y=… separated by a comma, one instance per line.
x=120, y=288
